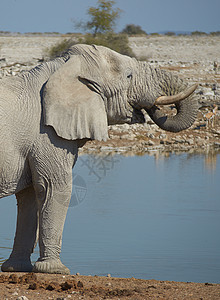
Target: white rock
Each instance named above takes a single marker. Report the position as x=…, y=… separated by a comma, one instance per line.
x=150, y=143
x=150, y=135
x=190, y=141
x=211, y=93
x=163, y=136
x=125, y=126
x=22, y=298
x=129, y=137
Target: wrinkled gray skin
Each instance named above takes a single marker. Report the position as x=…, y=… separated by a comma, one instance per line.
x=47, y=114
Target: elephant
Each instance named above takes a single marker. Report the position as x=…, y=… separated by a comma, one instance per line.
x=49, y=112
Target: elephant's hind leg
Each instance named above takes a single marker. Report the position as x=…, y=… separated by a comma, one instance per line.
x=26, y=233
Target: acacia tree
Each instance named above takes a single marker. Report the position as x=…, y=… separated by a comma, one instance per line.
x=103, y=17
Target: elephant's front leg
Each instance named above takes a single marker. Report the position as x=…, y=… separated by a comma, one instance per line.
x=26, y=233
x=53, y=198
x=51, y=162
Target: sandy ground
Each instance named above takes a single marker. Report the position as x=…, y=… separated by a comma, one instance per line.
x=23, y=286
x=195, y=59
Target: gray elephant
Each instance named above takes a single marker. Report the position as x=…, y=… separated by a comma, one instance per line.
x=46, y=114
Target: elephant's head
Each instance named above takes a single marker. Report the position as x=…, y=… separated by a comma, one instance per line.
x=97, y=86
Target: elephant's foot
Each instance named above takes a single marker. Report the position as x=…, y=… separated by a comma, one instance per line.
x=52, y=266
x=17, y=265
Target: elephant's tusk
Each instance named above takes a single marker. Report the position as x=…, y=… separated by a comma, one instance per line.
x=166, y=100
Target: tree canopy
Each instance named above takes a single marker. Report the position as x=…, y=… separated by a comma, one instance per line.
x=103, y=17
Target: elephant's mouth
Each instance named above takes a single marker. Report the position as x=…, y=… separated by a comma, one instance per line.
x=137, y=116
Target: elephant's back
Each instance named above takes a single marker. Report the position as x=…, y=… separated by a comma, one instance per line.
x=10, y=90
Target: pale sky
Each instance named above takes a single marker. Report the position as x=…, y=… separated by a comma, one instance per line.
x=152, y=15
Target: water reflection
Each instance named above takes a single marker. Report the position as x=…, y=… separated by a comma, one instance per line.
x=153, y=216
x=210, y=158
x=211, y=161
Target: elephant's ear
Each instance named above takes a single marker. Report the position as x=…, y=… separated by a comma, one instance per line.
x=71, y=107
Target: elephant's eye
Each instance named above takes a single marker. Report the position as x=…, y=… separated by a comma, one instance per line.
x=129, y=76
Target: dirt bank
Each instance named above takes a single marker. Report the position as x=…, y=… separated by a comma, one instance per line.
x=23, y=286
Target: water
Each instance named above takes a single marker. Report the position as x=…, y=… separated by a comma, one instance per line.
x=142, y=216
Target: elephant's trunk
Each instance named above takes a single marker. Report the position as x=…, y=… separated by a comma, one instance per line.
x=186, y=114
x=172, y=90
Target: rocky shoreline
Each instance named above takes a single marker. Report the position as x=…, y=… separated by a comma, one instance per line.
x=148, y=139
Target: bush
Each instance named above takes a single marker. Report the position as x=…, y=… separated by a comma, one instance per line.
x=132, y=29
x=169, y=33
x=116, y=42
x=198, y=33
x=154, y=34
x=59, y=48
x=215, y=33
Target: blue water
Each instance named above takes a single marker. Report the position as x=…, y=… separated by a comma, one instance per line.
x=142, y=216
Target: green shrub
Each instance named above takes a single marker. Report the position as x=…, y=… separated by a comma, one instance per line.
x=132, y=29
x=154, y=34
x=59, y=48
x=198, y=33
x=116, y=42
x=169, y=33
x=215, y=33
